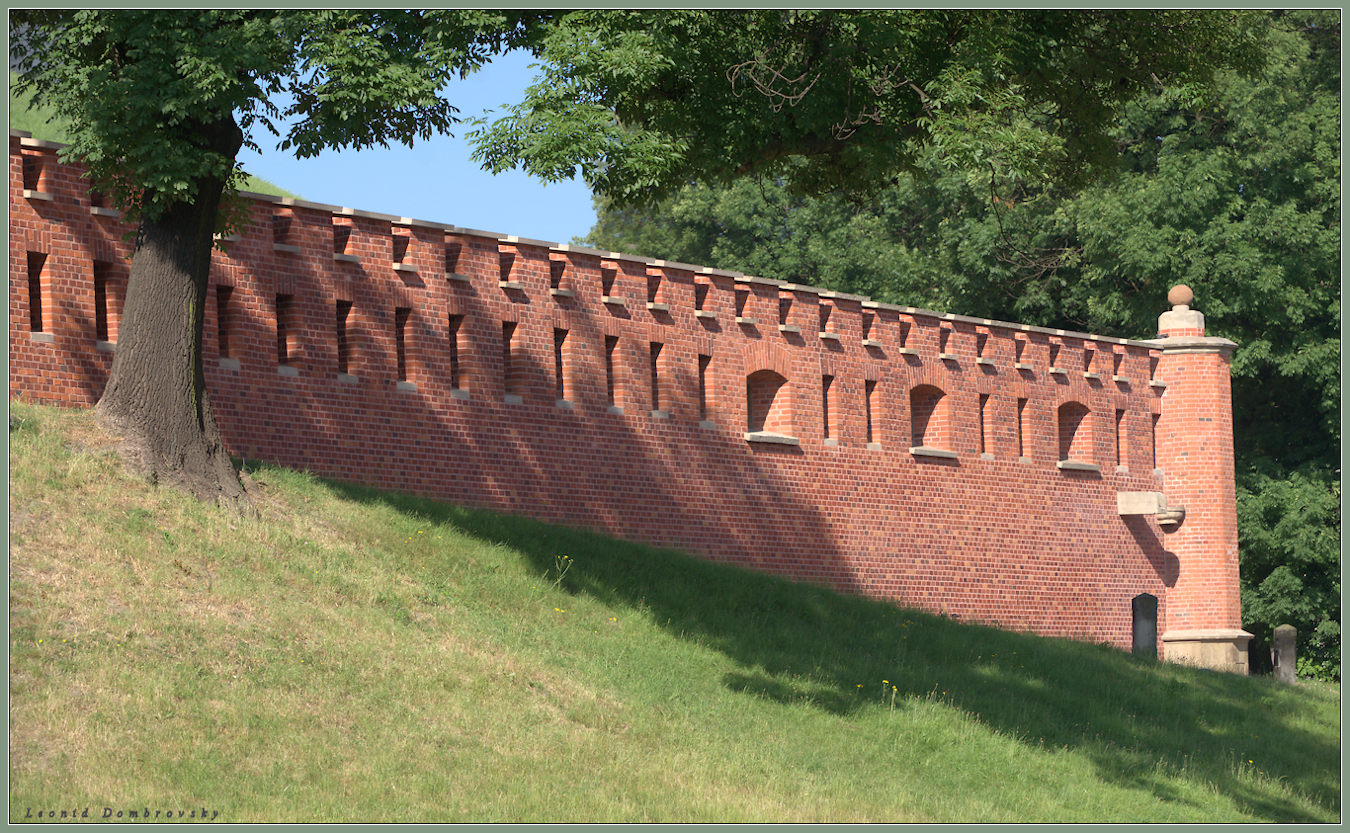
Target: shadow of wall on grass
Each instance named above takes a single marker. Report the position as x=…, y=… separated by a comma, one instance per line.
x=805, y=645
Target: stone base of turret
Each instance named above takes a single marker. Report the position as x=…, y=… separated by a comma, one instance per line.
x=1218, y=649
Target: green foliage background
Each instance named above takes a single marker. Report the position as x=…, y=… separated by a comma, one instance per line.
x=1237, y=197
x=640, y=103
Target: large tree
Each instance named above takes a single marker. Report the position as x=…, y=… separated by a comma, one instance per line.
x=158, y=105
x=1237, y=197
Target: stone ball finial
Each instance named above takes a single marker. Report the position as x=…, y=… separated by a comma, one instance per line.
x=1180, y=295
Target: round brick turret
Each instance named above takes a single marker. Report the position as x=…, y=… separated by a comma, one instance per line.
x=1194, y=436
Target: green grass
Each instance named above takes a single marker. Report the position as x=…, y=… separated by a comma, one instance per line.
x=42, y=123
x=350, y=655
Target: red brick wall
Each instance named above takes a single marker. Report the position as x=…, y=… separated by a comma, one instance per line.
x=1013, y=542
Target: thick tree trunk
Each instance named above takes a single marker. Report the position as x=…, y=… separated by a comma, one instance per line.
x=156, y=394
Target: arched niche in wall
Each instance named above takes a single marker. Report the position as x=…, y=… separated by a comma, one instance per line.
x=768, y=403
x=1075, y=433
x=930, y=418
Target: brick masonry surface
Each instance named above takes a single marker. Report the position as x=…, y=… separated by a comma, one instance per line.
x=668, y=403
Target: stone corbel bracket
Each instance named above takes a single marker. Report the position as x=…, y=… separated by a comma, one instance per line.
x=1150, y=503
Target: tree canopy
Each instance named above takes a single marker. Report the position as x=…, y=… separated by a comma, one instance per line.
x=1237, y=196
x=642, y=103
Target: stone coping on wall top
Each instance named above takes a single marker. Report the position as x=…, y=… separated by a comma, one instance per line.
x=581, y=250
x=755, y=279
x=646, y=261
x=513, y=240
x=29, y=142
x=1153, y=344
x=1193, y=344
x=720, y=273
x=675, y=264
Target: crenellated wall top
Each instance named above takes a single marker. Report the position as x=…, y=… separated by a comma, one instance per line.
x=26, y=141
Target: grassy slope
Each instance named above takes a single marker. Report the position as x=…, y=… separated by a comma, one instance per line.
x=354, y=655
x=40, y=122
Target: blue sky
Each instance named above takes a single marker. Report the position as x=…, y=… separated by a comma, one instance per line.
x=435, y=180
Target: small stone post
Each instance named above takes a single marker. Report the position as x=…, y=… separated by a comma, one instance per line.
x=1283, y=653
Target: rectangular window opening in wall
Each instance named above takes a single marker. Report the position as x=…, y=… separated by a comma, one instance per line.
x=342, y=235
x=32, y=172
x=401, y=315
x=700, y=295
x=868, y=319
x=944, y=336
x=1122, y=452
x=559, y=367
x=703, y=362
x=556, y=268
x=508, y=370
x=784, y=309
x=981, y=340
x=984, y=423
x=456, y=323
x=343, y=311
x=611, y=385
x=452, y=251
x=1153, y=440
x=653, y=287
x=742, y=298
x=224, y=322
x=37, y=319
x=904, y=334
x=656, y=376
x=1022, y=427
x=607, y=276
x=399, y=249
x=506, y=261
x=870, y=404
x=285, y=331
x=1088, y=354
x=827, y=413
x=281, y=229
x=1020, y=348
x=101, y=270
x=825, y=310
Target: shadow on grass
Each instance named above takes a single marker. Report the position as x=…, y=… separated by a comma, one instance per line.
x=1141, y=722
